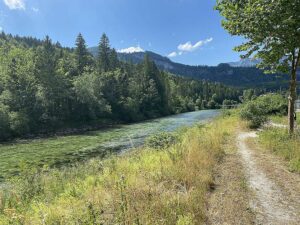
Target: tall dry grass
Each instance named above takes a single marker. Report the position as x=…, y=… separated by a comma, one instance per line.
x=145, y=186
x=278, y=141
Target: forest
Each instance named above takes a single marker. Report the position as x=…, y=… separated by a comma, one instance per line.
x=247, y=76
x=45, y=87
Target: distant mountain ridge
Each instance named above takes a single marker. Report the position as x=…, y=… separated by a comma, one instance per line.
x=242, y=74
x=245, y=63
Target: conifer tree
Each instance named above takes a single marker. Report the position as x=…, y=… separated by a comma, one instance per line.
x=104, y=53
x=113, y=59
x=82, y=54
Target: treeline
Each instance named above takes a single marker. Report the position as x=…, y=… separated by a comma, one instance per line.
x=241, y=77
x=44, y=86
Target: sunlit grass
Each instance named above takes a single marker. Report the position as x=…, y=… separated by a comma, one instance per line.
x=284, y=119
x=146, y=186
x=278, y=141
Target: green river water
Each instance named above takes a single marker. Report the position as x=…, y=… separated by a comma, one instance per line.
x=63, y=150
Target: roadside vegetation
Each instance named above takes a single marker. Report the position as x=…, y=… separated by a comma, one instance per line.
x=276, y=139
x=159, y=184
x=283, y=120
x=257, y=110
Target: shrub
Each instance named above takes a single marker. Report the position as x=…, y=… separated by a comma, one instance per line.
x=256, y=111
x=19, y=123
x=273, y=104
x=161, y=140
x=4, y=122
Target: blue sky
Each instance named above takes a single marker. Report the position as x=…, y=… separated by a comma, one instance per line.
x=188, y=31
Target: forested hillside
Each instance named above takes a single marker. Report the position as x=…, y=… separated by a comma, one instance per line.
x=44, y=86
x=242, y=74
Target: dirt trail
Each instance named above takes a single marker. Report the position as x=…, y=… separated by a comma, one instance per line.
x=276, y=192
x=229, y=200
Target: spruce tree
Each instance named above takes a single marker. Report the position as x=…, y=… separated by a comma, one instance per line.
x=113, y=59
x=82, y=54
x=104, y=53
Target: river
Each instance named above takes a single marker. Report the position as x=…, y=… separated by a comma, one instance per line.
x=62, y=150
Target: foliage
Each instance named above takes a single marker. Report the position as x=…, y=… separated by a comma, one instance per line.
x=246, y=77
x=45, y=86
x=143, y=187
x=161, y=140
x=4, y=122
x=273, y=39
x=256, y=111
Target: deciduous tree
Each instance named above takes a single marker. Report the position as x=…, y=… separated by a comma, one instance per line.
x=272, y=32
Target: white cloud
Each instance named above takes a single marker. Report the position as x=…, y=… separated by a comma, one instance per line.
x=189, y=47
x=15, y=4
x=172, y=54
x=34, y=9
x=131, y=50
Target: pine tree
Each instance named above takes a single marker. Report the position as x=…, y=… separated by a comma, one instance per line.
x=82, y=54
x=104, y=53
x=113, y=59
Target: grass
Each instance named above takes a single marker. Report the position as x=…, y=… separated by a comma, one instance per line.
x=146, y=186
x=278, y=141
x=283, y=119
x=61, y=150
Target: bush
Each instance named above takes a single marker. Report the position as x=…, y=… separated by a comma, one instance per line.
x=273, y=104
x=4, y=122
x=19, y=123
x=256, y=111
x=161, y=140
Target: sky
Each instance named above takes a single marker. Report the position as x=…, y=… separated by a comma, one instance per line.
x=186, y=31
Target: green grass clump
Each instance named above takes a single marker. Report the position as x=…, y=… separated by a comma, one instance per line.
x=281, y=143
x=145, y=186
x=161, y=140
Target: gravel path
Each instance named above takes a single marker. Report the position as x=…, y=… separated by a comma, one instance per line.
x=271, y=203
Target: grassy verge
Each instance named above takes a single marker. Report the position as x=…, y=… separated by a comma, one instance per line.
x=147, y=186
x=284, y=119
x=278, y=141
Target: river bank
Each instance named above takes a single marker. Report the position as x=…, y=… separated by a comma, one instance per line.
x=63, y=150
x=143, y=186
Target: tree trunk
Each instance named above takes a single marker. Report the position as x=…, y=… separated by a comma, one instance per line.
x=292, y=99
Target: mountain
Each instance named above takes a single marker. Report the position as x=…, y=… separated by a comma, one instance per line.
x=245, y=63
x=242, y=74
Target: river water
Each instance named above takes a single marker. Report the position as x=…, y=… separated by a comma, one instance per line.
x=135, y=134
x=64, y=150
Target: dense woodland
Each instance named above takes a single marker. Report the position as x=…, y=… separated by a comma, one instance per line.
x=44, y=86
x=241, y=77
